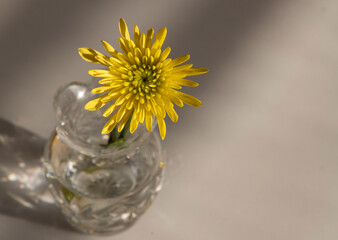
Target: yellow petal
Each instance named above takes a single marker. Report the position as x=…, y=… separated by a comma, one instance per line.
x=172, y=113
x=176, y=100
x=149, y=37
x=110, y=125
x=124, y=29
x=186, y=82
x=130, y=104
x=155, y=47
x=181, y=68
x=142, y=41
x=120, y=113
x=174, y=85
x=95, y=104
x=109, y=48
x=124, y=120
x=109, y=98
x=116, y=61
x=136, y=35
x=160, y=111
x=133, y=123
x=101, y=89
x=111, y=80
x=123, y=46
x=99, y=73
x=103, y=61
x=149, y=121
x=180, y=60
x=160, y=36
x=89, y=55
x=120, y=100
x=194, y=71
x=165, y=54
x=142, y=115
x=190, y=100
x=162, y=127
x=109, y=110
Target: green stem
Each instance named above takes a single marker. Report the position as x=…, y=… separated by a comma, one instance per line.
x=112, y=136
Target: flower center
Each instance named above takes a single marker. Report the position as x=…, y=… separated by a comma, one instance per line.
x=145, y=79
x=146, y=76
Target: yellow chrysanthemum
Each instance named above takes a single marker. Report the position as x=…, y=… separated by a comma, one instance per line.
x=141, y=82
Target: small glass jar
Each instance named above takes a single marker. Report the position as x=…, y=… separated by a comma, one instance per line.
x=100, y=189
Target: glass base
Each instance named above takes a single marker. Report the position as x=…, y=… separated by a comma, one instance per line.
x=104, y=216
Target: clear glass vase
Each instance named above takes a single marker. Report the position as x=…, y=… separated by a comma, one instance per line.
x=100, y=189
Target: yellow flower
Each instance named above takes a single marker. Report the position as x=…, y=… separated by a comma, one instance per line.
x=141, y=81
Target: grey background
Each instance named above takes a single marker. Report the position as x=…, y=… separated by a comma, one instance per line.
x=258, y=161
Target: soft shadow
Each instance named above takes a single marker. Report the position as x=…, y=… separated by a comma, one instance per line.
x=24, y=191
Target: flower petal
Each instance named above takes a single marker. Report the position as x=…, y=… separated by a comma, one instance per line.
x=162, y=127
x=149, y=37
x=89, y=55
x=160, y=36
x=123, y=46
x=136, y=35
x=109, y=110
x=101, y=89
x=186, y=82
x=120, y=113
x=176, y=100
x=99, y=73
x=109, y=48
x=190, y=100
x=181, y=68
x=95, y=104
x=194, y=71
x=171, y=112
x=110, y=125
x=133, y=123
x=149, y=121
x=124, y=29
x=180, y=60
x=165, y=54
x=124, y=120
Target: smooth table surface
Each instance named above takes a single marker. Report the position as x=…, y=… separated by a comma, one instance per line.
x=258, y=161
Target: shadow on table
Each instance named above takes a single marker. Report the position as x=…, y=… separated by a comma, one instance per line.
x=23, y=188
